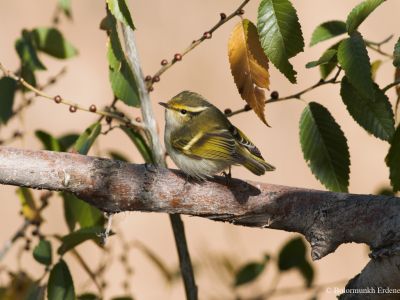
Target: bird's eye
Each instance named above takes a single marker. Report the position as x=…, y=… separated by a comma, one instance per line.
x=183, y=111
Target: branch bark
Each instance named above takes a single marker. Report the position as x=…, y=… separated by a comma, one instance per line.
x=326, y=219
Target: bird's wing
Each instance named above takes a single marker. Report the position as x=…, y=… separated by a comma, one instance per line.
x=243, y=140
x=217, y=144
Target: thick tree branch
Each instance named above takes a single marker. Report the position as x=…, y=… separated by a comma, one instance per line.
x=326, y=219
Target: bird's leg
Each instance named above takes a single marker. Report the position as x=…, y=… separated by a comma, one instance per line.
x=228, y=175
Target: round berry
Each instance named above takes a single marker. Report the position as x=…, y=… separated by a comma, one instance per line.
x=274, y=95
x=156, y=78
x=228, y=111
x=164, y=62
x=207, y=35
x=147, y=78
x=92, y=108
x=178, y=57
x=57, y=99
x=223, y=16
x=73, y=108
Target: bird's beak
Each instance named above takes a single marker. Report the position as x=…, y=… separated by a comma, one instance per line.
x=164, y=104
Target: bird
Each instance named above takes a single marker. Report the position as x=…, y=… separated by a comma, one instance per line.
x=202, y=142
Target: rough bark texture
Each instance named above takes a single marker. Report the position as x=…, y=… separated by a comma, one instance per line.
x=326, y=219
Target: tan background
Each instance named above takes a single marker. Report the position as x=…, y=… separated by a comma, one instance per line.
x=164, y=28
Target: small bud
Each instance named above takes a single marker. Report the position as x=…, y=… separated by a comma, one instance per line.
x=247, y=107
x=57, y=99
x=156, y=78
x=274, y=95
x=321, y=80
x=138, y=119
x=240, y=12
x=207, y=35
x=92, y=108
x=73, y=108
x=35, y=232
x=223, y=16
x=120, y=113
x=164, y=62
x=27, y=247
x=150, y=89
x=228, y=111
x=194, y=41
x=178, y=57
x=147, y=78
x=17, y=134
x=108, y=120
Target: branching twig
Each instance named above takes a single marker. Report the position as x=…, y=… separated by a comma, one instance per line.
x=390, y=85
x=297, y=95
x=73, y=107
x=194, y=44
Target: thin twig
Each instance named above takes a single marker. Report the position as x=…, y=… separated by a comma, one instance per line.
x=390, y=85
x=159, y=154
x=15, y=136
x=384, y=41
x=293, y=96
x=379, y=50
x=73, y=106
x=195, y=43
x=18, y=234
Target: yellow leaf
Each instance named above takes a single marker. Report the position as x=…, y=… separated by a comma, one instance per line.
x=374, y=67
x=29, y=209
x=249, y=66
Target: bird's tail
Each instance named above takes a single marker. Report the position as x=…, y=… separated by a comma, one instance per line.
x=254, y=164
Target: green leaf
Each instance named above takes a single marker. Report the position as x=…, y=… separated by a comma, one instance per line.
x=396, y=54
x=140, y=143
x=120, y=11
x=307, y=271
x=374, y=114
x=393, y=160
x=88, y=296
x=360, y=13
x=325, y=147
x=29, y=76
x=326, y=69
x=78, y=237
x=122, y=298
x=8, y=87
x=292, y=254
x=327, y=31
x=65, y=6
x=87, y=138
x=42, y=253
x=60, y=285
x=49, y=142
x=117, y=156
x=250, y=272
x=327, y=57
x=280, y=34
x=68, y=140
x=36, y=292
x=78, y=211
x=122, y=80
x=353, y=58
x=52, y=42
x=27, y=52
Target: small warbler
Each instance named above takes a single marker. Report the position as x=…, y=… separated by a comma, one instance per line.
x=202, y=141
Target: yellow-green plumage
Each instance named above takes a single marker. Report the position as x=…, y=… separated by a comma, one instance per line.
x=202, y=141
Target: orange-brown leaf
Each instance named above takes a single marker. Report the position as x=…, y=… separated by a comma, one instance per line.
x=249, y=66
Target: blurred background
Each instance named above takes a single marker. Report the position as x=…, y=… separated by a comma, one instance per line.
x=163, y=29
